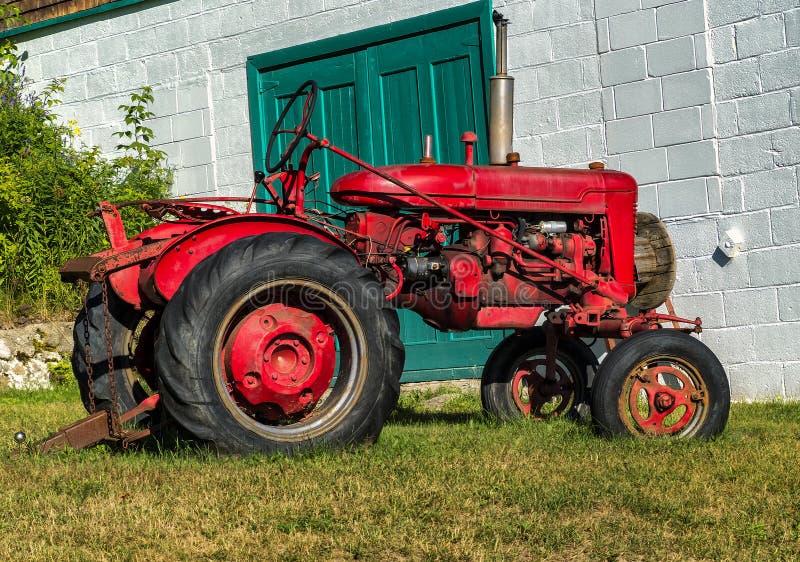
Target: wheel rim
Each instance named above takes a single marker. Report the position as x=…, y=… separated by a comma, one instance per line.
x=537, y=397
x=277, y=352
x=664, y=395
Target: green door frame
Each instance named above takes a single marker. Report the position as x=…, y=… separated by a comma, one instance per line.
x=324, y=48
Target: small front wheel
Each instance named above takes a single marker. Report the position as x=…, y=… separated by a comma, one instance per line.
x=662, y=382
x=514, y=382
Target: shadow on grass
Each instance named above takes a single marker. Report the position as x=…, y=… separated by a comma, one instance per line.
x=412, y=416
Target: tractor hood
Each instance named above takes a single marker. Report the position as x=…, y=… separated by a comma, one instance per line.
x=489, y=188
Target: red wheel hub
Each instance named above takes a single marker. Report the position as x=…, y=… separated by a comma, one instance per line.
x=279, y=360
x=668, y=409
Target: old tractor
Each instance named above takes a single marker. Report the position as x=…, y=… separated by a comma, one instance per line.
x=265, y=332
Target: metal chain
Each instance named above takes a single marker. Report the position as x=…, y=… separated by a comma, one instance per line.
x=87, y=350
x=112, y=379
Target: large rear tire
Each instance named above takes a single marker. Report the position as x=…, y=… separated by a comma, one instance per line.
x=513, y=383
x=280, y=343
x=661, y=383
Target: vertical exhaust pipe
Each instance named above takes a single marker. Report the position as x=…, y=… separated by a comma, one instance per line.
x=501, y=98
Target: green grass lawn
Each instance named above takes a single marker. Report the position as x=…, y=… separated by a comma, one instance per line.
x=438, y=485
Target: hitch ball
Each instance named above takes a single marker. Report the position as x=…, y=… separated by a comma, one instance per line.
x=20, y=437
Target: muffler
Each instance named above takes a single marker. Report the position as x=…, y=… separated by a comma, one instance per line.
x=501, y=98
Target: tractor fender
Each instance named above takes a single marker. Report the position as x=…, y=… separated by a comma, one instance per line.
x=175, y=263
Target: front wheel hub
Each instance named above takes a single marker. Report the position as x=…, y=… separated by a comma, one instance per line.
x=280, y=360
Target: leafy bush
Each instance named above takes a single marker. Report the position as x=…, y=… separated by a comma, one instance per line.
x=50, y=183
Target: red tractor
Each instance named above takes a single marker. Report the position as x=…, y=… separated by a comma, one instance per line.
x=278, y=331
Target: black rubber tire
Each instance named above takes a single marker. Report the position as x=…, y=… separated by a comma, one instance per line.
x=195, y=320
x=622, y=364
x=124, y=320
x=497, y=392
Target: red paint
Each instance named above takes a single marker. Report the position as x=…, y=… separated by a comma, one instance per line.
x=187, y=251
x=279, y=361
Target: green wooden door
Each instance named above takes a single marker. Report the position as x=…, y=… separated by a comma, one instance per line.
x=379, y=101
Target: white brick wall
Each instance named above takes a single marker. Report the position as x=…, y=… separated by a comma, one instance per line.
x=698, y=99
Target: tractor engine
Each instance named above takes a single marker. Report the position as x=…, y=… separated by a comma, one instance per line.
x=458, y=278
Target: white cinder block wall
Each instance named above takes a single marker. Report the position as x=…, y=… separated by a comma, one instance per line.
x=698, y=99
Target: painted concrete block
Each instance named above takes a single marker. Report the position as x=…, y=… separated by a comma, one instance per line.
x=718, y=274
x=560, y=78
x=778, y=342
x=574, y=41
x=161, y=69
x=711, y=305
x=721, y=12
x=780, y=70
x=579, y=110
x=755, y=381
x=555, y=12
x=786, y=225
x=81, y=58
x=603, y=38
x=702, y=50
x=786, y=146
x=759, y=35
x=731, y=345
x=714, y=192
x=745, y=155
x=647, y=166
x=789, y=303
x=532, y=49
x=197, y=151
x=101, y=82
x=727, y=119
x=682, y=18
x=536, y=118
x=737, y=79
x=754, y=227
x=772, y=188
x=792, y=23
x=677, y=126
x=192, y=181
x=692, y=160
x=648, y=199
x=619, y=67
x=686, y=198
x=632, y=28
x=691, y=238
x=565, y=147
x=637, y=98
x=627, y=135
x=187, y=125
x=687, y=89
x=530, y=150
x=111, y=50
x=723, y=44
x=775, y=266
x=791, y=380
x=751, y=307
x=193, y=62
x=606, y=8
x=671, y=57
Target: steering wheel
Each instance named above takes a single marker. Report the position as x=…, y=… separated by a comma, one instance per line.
x=299, y=131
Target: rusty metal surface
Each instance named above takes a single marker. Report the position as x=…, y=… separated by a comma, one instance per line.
x=79, y=269
x=89, y=431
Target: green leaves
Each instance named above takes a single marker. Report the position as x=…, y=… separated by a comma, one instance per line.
x=49, y=184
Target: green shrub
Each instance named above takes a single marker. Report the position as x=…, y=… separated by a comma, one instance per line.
x=50, y=182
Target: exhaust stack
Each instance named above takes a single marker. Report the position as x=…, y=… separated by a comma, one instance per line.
x=501, y=98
